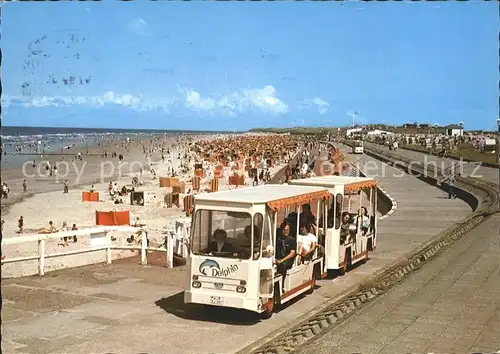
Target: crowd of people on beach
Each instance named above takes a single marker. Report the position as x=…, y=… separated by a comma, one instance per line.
x=50, y=229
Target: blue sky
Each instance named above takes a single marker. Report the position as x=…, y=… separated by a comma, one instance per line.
x=234, y=65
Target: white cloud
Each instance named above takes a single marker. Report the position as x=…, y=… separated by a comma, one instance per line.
x=321, y=105
x=262, y=99
x=138, y=26
x=137, y=103
x=244, y=100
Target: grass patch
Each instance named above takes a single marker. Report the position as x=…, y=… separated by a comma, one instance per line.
x=465, y=151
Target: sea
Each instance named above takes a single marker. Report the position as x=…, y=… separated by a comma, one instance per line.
x=20, y=144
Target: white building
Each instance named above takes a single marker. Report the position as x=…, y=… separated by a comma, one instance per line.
x=350, y=132
x=377, y=132
x=453, y=130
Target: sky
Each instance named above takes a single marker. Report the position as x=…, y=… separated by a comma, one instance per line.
x=238, y=65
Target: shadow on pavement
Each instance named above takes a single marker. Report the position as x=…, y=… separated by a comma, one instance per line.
x=175, y=305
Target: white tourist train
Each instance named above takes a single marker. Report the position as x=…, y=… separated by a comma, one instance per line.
x=351, y=227
x=241, y=254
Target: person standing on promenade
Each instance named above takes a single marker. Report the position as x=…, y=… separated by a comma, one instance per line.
x=450, y=181
x=451, y=188
x=66, y=187
x=25, y=186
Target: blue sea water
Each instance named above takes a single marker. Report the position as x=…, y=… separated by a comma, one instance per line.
x=39, y=140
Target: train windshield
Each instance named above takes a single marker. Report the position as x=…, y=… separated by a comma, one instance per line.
x=222, y=234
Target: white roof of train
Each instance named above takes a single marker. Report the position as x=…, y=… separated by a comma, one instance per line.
x=258, y=195
x=329, y=181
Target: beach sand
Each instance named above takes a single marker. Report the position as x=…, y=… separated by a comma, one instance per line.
x=46, y=201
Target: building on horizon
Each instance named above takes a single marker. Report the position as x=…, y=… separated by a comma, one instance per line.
x=453, y=130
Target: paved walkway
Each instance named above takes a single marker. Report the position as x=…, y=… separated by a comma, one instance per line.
x=469, y=169
x=451, y=305
x=124, y=308
x=422, y=210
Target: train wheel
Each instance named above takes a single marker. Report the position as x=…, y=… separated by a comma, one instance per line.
x=272, y=304
x=342, y=270
x=347, y=262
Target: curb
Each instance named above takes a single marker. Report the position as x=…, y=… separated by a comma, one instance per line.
x=393, y=201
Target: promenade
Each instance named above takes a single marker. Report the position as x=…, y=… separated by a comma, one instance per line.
x=473, y=170
x=451, y=305
x=127, y=308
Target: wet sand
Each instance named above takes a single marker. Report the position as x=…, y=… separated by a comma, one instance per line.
x=92, y=170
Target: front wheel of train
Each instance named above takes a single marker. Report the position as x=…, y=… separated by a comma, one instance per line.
x=365, y=259
x=342, y=270
x=347, y=263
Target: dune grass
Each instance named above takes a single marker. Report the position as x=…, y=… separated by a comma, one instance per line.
x=465, y=151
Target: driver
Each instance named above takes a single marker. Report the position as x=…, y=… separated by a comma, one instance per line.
x=220, y=245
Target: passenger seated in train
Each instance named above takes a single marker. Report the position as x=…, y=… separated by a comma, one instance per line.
x=363, y=220
x=286, y=247
x=220, y=244
x=306, y=243
x=291, y=221
x=345, y=227
x=307, y=217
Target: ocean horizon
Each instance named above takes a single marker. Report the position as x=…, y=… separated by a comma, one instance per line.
x=37, y=141
x=19, y=130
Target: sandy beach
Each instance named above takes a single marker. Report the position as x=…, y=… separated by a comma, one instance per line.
x=45, y=200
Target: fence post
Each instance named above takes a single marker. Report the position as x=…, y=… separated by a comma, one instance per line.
x=41, y=255
x=170, y=250
x=108, y=250
x=144, y=245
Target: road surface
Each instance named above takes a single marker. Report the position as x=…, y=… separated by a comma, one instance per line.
x=451, y=305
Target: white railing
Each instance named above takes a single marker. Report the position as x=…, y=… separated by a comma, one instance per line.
x=100, y=241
